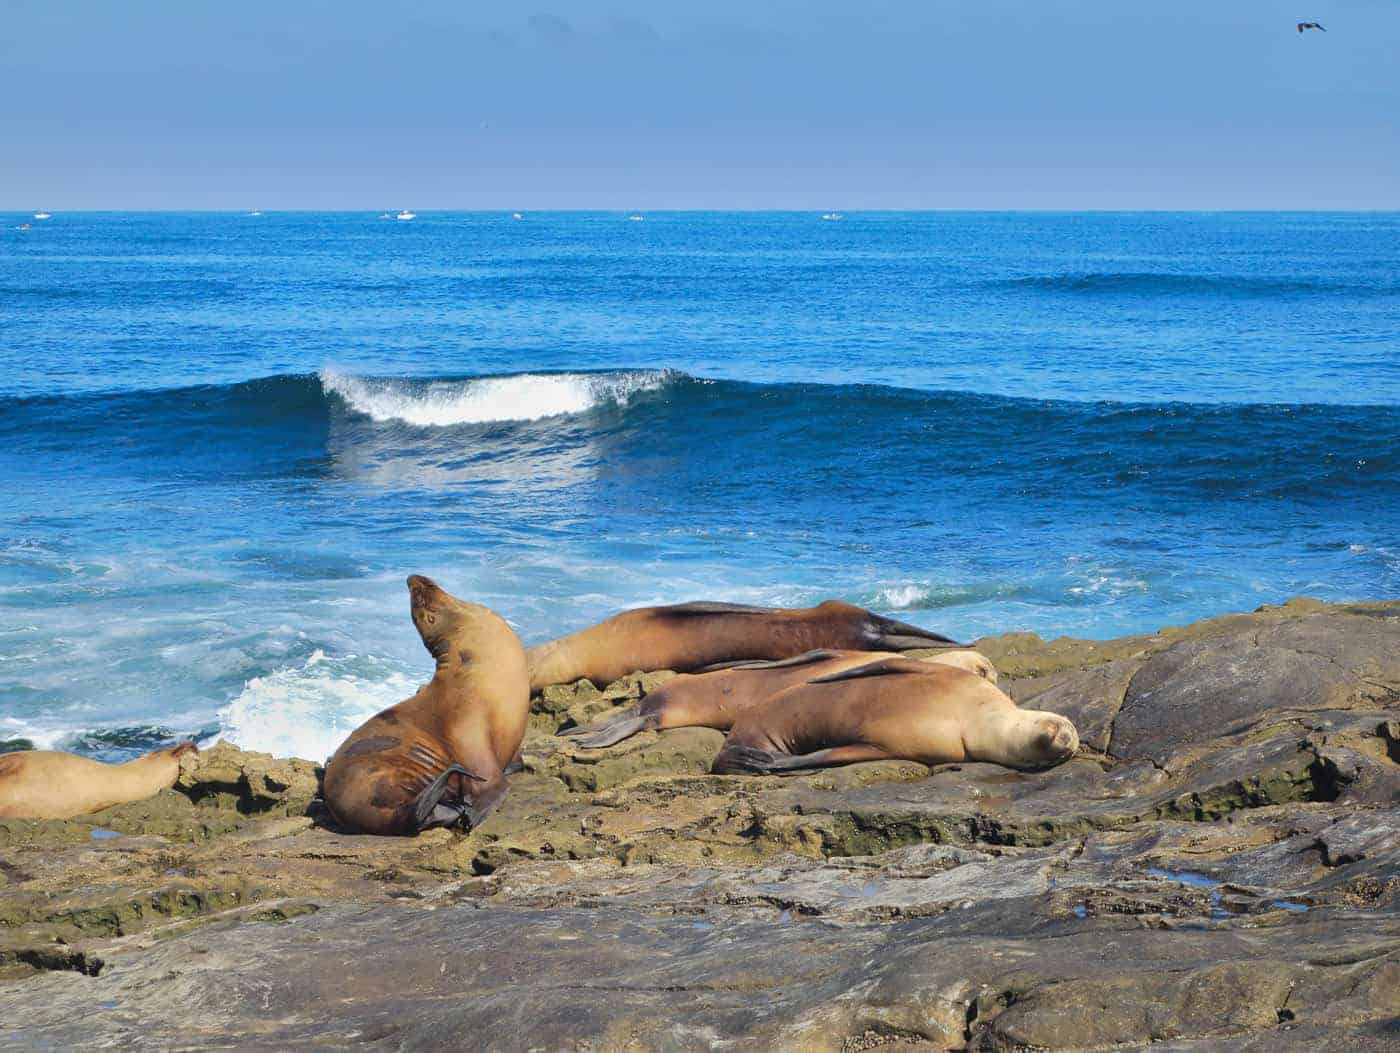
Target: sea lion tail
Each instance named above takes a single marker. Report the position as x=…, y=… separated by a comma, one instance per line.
x=609, y=732
x=429, y=802
x=893, y=635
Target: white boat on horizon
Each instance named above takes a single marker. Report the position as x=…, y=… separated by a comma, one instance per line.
x=42, y=215
x=636, y=217
x=406, y=214
x=833, y=215
x=255, y=212
x=516, y=215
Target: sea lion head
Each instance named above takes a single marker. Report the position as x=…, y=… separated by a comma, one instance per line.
x=1050, y=739
x=450, y=628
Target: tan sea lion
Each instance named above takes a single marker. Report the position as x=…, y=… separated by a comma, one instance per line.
x=44, y=784
x=438, y=758
x=715, y=698
x=690, y=636
x=893, y=709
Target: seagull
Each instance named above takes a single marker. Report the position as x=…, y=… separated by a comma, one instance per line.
x=1311, y=25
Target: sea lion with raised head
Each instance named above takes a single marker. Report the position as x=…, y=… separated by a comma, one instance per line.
x=438, y=758
x=44, y=784
x=716, y=697
x=893, y=709
x=691, y=636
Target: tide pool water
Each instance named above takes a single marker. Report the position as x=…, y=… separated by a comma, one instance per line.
x=225, y=440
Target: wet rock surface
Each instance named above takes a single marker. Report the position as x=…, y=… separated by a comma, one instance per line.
x=1218, y=869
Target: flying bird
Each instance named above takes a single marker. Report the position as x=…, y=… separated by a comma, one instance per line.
x=1311, y=25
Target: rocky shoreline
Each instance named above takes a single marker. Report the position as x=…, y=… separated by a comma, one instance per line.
x=1217, y=869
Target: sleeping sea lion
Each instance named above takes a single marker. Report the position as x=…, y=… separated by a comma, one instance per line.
x=43, y=784
x=893, y=709
x=715, y=698
x=690, y=636
x=438, y=758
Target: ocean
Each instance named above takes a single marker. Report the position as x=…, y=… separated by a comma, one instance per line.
x=226, y=439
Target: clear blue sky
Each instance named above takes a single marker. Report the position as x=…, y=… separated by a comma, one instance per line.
x=722, y=104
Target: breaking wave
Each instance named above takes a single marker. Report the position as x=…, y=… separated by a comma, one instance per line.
x=523, y=397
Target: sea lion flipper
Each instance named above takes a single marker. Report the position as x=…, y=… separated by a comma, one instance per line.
x=891, y=634
x=819, y=655
x=612, y=731
x=517, y=764
x=425, y=807
x=884, y=667
x=712, y=607
x=748, y=760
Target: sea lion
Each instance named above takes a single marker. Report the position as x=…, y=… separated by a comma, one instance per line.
x=44, y=784
x=438, y=758
x=713, y=699
x=893, y=709
x=690, y=636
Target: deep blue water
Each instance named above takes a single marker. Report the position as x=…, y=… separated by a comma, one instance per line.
x=226, y=439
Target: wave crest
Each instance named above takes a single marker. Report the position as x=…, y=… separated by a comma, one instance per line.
x=523, y=397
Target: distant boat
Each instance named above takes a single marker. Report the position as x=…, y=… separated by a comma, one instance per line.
x=23, y=226
x=406, y=214
x=636, y=218
x=255, y=212
x=516, y=215
x=42, y=215
x=833, y=215
x=386, y=215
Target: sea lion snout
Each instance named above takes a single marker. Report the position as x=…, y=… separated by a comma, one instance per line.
x=423, y=592
x=1056, y=739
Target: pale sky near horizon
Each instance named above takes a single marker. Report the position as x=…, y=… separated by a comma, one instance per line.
x=785, y=104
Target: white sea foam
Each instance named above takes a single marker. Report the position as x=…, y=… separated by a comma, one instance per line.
x=43, y=738
x=528, y=396
x=901, y=597
x=307, y=710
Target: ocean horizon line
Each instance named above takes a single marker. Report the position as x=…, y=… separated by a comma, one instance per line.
x=421, y=210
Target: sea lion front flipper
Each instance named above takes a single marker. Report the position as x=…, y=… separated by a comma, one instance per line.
x=807, y=658
x=748, y=760
x=712, y=607
x=612, y=731
x=892, y=635
x=884, y=667
x=430, y=800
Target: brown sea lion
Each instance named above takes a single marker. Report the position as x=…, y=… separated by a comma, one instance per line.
x=691, y=636
x=43, y=784
x=894, y=709
x=714, y=699
x=438, y=758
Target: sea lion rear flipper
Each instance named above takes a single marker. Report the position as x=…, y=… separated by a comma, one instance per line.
x=426, y=807
x=806, y=658
x=884, y=667
x=712, y=607
x=892, y=635
x=748, y=760
x=609, y=732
